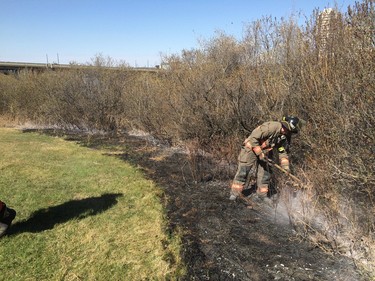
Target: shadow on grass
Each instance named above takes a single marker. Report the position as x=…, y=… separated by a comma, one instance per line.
x=47, y=218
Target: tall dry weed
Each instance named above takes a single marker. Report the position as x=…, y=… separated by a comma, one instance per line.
x=213, y=96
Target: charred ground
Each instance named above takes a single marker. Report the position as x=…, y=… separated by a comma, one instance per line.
x=226, y=240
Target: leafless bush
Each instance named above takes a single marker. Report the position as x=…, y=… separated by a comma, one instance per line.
x=213, y=96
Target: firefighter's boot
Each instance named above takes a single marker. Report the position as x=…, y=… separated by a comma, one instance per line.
x=235, y=191
x=260, y=196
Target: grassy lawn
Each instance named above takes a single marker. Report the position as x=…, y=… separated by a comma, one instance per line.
x=81, y=215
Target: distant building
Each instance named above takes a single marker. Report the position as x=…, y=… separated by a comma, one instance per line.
x=164, y=66
x=328, y=24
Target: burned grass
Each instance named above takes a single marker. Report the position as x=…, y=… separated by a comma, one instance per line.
x=226, y=240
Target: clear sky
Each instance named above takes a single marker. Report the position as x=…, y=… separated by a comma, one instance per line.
x=134, y=31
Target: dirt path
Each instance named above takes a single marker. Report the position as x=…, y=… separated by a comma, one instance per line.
x=227, y=240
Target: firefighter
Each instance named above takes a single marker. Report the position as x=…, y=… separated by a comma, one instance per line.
x=7, y=215
x=270, y=136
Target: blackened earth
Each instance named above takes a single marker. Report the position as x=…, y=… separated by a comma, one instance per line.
x=225, y=240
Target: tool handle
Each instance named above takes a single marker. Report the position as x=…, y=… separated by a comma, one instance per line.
x=271, y=162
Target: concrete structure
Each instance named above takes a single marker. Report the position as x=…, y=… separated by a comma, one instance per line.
x=16, y=67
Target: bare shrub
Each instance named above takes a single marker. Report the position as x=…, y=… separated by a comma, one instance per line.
x=212, y=97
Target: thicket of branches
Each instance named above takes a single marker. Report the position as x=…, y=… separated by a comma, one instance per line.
x=214, y=95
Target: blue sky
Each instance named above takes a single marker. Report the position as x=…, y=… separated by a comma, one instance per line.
x=134, y=31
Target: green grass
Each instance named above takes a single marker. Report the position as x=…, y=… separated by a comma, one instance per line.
x=81, y=215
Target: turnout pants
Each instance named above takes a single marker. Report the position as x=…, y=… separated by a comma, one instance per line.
x=250, y=165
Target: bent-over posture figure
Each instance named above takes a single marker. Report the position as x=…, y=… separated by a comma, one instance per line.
x=272, y=135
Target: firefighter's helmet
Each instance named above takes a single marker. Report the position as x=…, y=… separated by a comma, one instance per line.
x=292, y=123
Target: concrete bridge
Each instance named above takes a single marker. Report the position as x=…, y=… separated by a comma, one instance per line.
x=16, y=67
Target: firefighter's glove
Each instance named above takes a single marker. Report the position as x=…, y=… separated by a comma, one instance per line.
x=259, y=153
x=262, y=157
